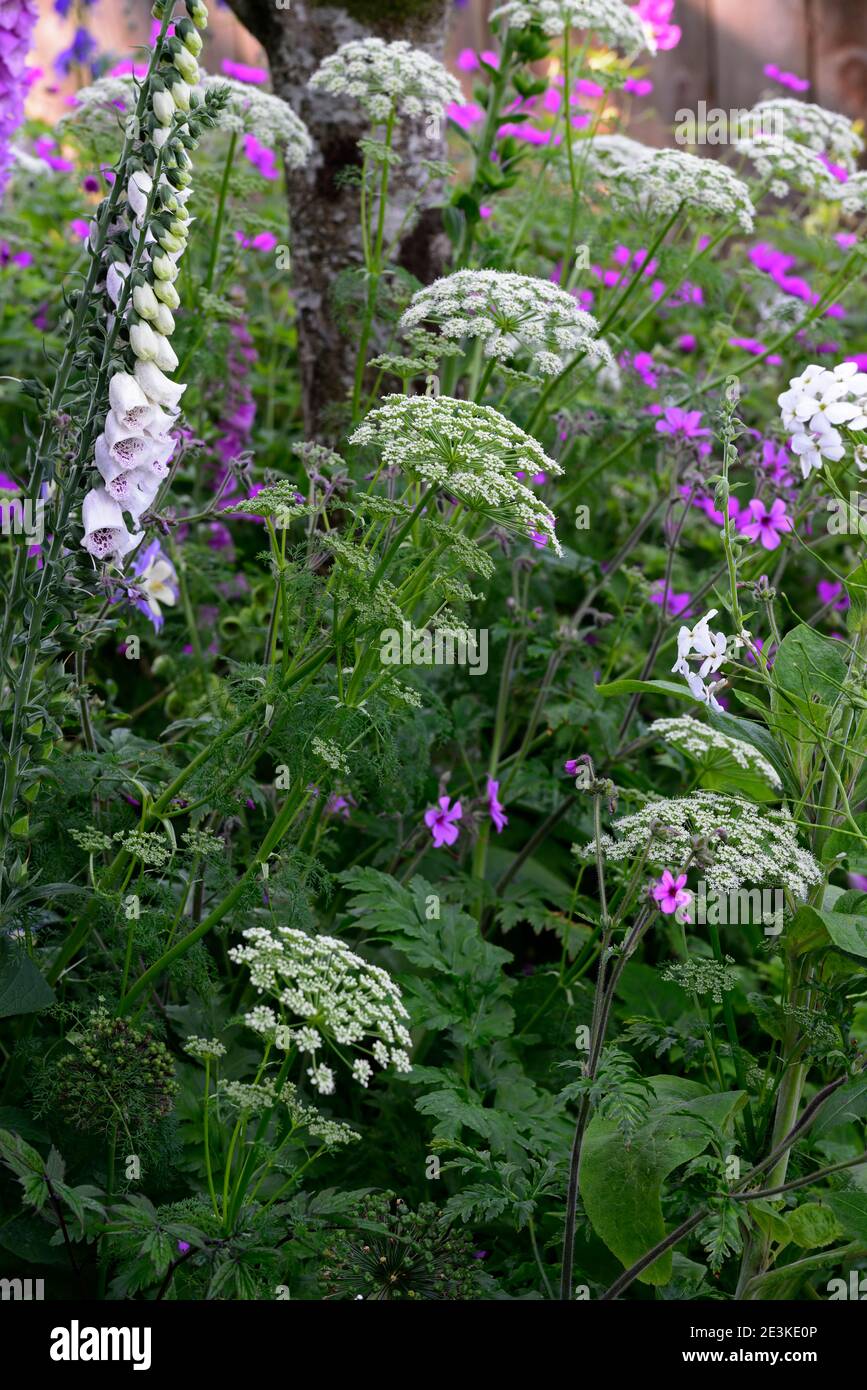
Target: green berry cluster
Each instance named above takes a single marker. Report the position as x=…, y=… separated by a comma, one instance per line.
x=115, y=1069
x=418, y=1255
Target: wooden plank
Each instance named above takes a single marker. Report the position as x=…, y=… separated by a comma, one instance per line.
x=840, y=41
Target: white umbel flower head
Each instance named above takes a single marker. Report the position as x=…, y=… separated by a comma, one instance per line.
x=384, y=77
x=705, y=745
x=340, y=1000
x=254, y=112
x=804, y=123
x=471, y=451
x=670, y=178
x=790, y=166
x=610, y=20
x=747, y=844
x=514, y=316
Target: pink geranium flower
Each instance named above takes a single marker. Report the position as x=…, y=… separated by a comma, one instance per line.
x=758, y=523
x=495, y=809
x=440, y=820
x=670, y=893
x=686, y=423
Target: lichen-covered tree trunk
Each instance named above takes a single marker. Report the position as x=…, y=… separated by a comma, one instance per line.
x=325, y=236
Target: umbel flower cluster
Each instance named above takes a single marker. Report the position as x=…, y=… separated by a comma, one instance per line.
x=387, y=79
x=612, y=21
x=704, y=743
x=816, y=403
x=342, y=1000
x=471, y=451
x=513, y=316
x=251, y=111
x=140, y=257
x=737, y=843
x=796, y=143
x=670, y=179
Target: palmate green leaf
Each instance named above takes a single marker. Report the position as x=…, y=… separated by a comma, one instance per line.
x=622, y=1187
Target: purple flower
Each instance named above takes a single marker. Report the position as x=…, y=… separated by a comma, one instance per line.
x=571, y=766
x=758, y=523
x=495, y=808
x=670, y=893
x=17, y=21
x=242, y=73
x=79, y=52
x=675, y=604
x=441, y=822
x=786, y=79
x=261, y=157
x=686, y=423
x=183, y=1246
x=828, y=592
x=656, y=14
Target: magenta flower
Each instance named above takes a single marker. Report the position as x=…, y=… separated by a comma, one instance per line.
x=656, y=14
x=464, y=113
x=686, y=423
x=828, y=592
x=675, y=603
x=571, y=766
x=495, y=809
x=670, y=894
x=757, y=523
x=242, y=73
x=183, y=1246
x=441, y=821
x=641, y=86
x=261, y=157
x=786, y=79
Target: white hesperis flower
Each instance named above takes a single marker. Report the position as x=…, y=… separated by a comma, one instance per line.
x=513, y=316
x=471, y=451
x=610, y=20
x=710, y=649
x=704, y=744
x=816, y=404
x=384, y=77
x=746, y=844
x=341, y=1000
x=251, y=111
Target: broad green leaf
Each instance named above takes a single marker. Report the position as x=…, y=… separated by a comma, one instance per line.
x=845, y=1105
x=677, y=690
x=847, y=932
x=748, y=731
x=621, y=1188
x=845, y=841
x=850, y=1209
x=23, y=989
x=809, y=666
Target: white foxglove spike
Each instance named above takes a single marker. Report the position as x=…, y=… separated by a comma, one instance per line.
x=114, y=280
x=105, y=532
x=157, y=387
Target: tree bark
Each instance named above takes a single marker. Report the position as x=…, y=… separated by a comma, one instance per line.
x=324, y=211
